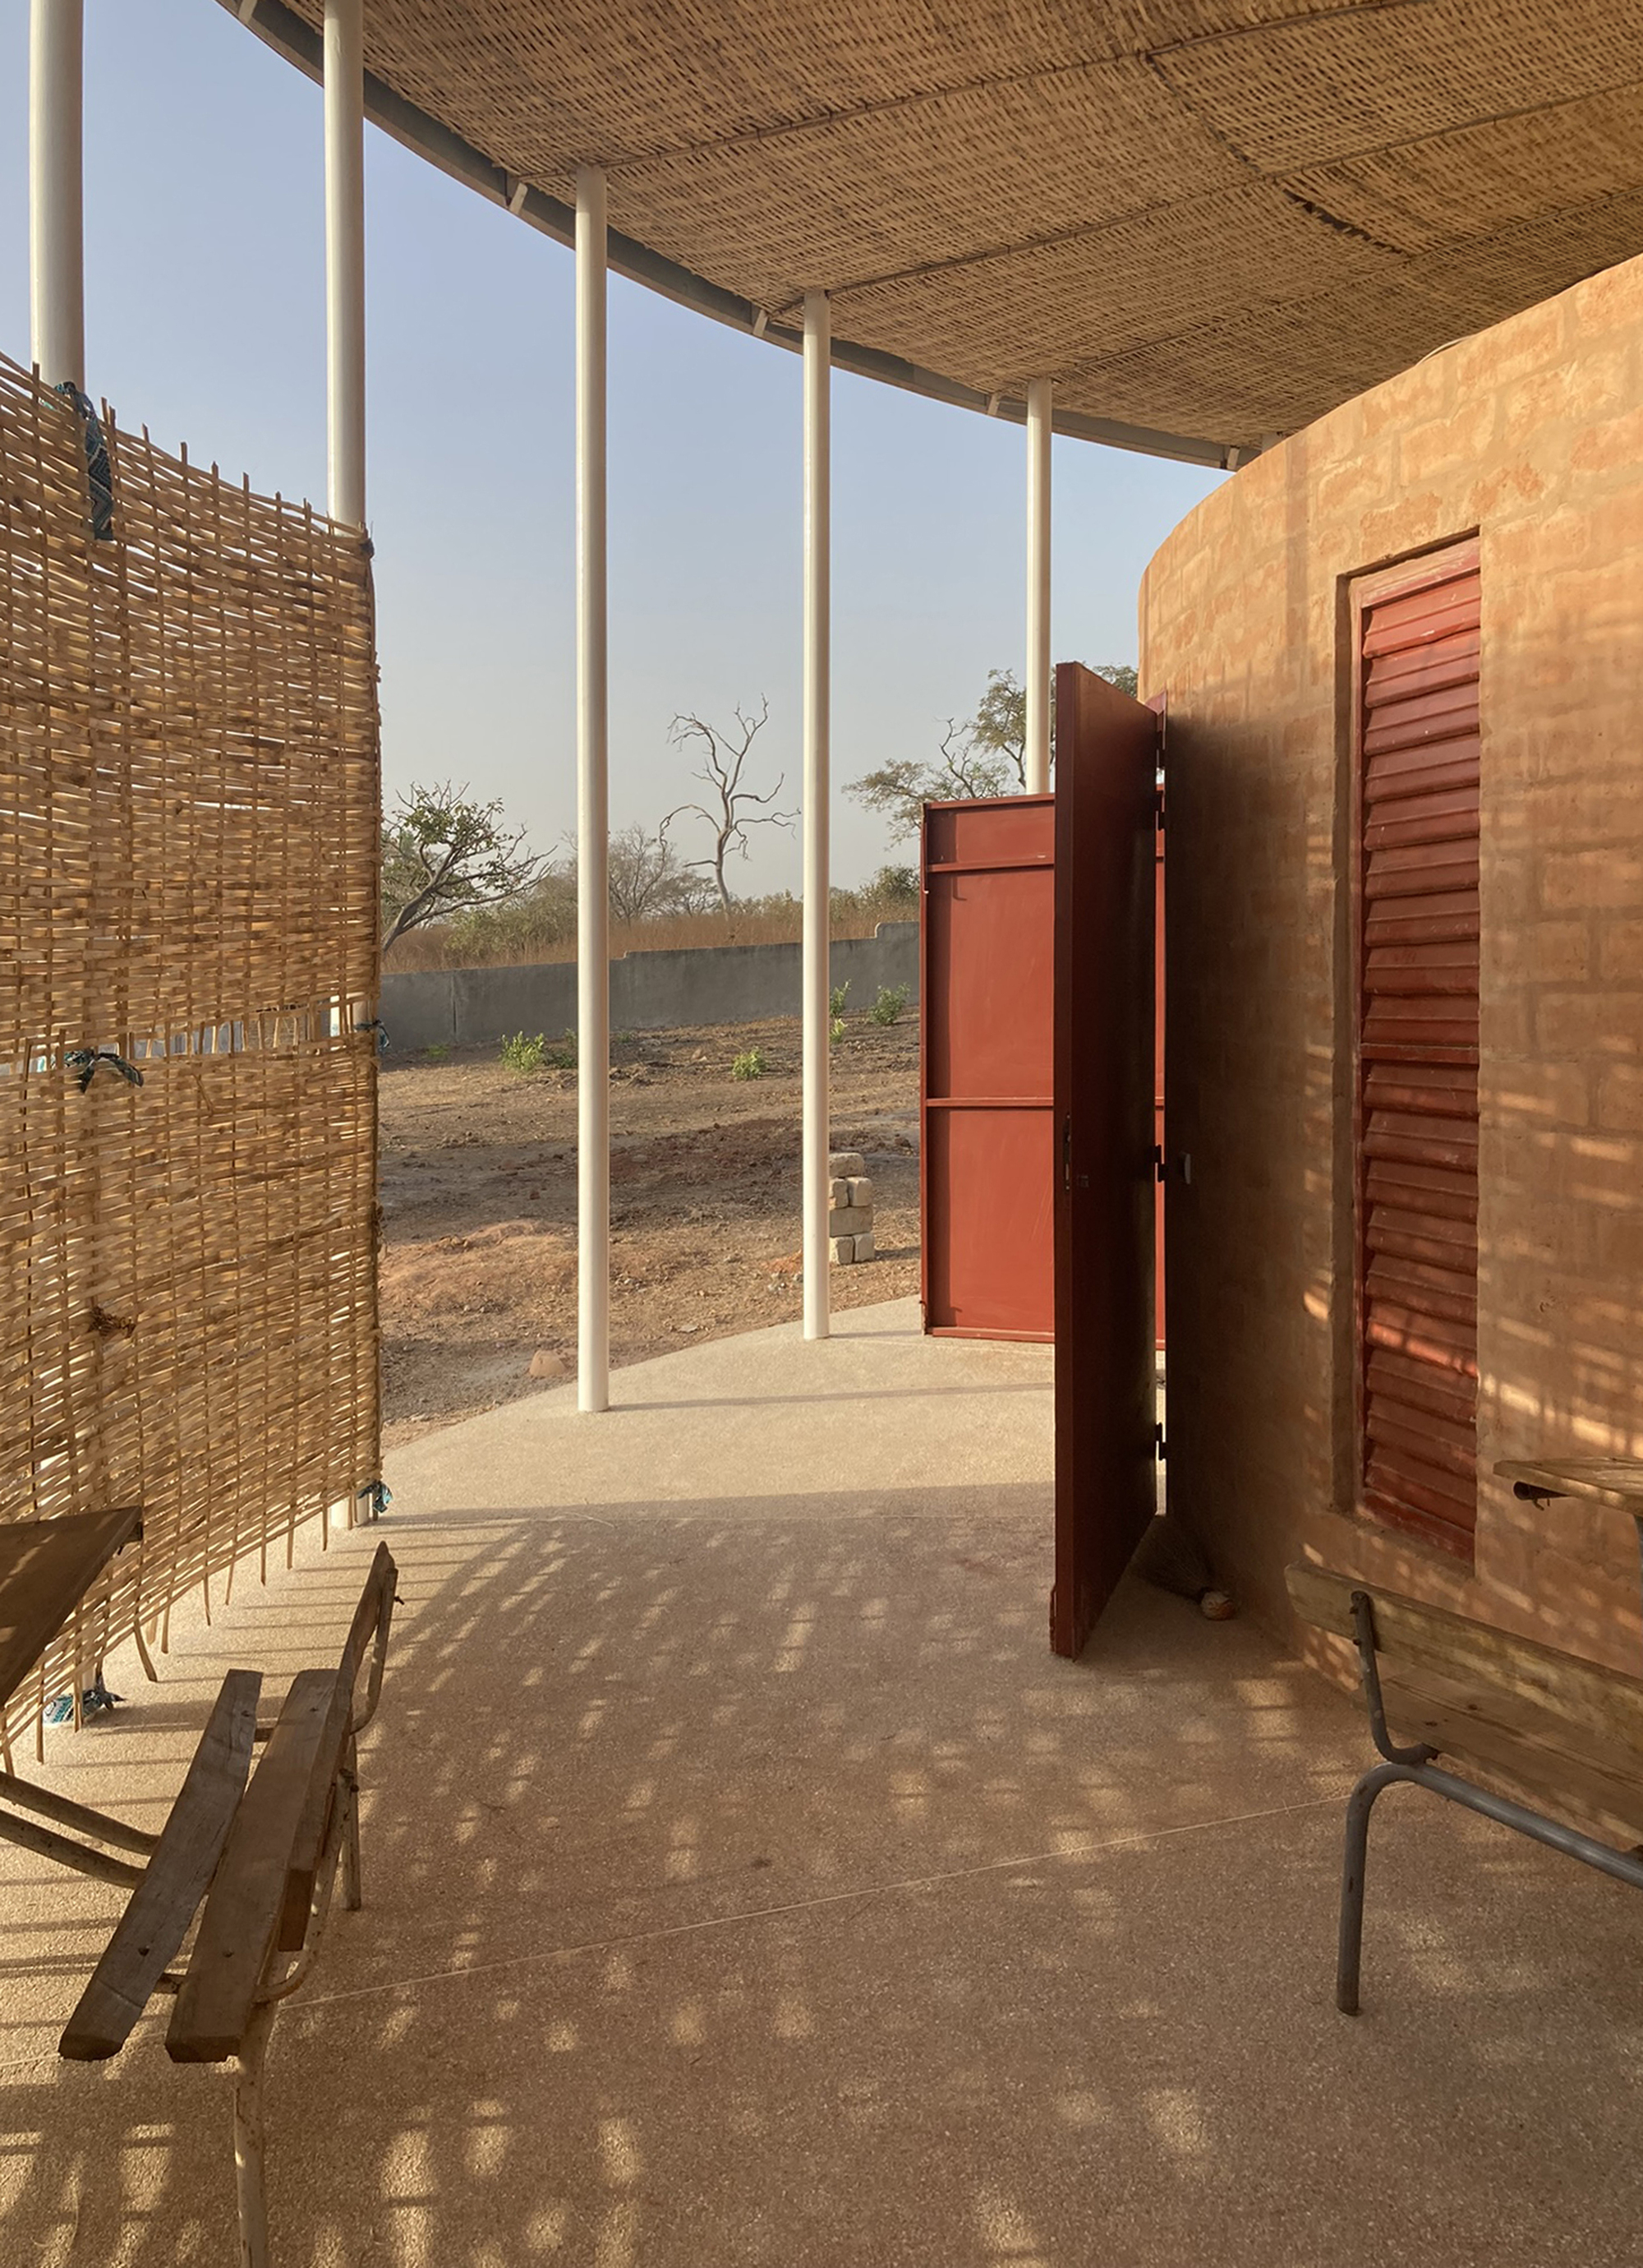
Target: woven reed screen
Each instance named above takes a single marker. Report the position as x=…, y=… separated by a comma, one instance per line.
x=188, y=854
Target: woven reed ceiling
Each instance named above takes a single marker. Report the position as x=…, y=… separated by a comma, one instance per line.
x=1216, y=219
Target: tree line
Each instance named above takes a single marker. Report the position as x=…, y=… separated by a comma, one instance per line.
x=450, y=860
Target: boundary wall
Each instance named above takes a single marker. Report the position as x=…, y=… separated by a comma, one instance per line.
x=649, y=991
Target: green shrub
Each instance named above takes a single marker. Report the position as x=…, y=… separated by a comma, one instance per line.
x=438, y=1052
x=562, y=1058
x=886, y=1010
x=525, y=1054
x=750, y=1064
x=835, y=1031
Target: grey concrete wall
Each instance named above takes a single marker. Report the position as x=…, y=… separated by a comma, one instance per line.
x=649, y=991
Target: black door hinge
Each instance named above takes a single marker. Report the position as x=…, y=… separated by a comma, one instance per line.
x=1159, y=1448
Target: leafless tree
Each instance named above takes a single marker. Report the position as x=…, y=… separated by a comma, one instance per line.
x=731, y=807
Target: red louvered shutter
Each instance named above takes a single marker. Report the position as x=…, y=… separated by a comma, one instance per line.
x=1418, y=1049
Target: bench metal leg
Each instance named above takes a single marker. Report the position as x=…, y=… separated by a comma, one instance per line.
x=249, y=2137
x=1358, y=1805
x=1622, y=1865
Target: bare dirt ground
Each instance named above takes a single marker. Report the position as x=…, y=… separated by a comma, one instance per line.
x=479, y=1198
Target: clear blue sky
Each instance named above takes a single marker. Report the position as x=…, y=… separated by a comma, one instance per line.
x=205, y=309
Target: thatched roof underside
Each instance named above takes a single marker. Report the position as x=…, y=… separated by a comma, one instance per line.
x=1210, y=219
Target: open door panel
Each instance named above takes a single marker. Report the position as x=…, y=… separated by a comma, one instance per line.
x=1105, y=862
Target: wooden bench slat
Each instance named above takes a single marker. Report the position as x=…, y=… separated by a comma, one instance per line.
x=1600, y=1701
x=376, y=1605
x=244, y=1909
x=312, y=1823
x=375, y=1608
x=1522, y=1747
x=158, y=1914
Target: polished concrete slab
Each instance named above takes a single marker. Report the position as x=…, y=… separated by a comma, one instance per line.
x=746, y=1883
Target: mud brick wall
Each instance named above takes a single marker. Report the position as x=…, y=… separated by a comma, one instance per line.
x=1531, y=435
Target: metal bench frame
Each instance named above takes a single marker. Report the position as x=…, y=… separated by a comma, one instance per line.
x=1414, y=1764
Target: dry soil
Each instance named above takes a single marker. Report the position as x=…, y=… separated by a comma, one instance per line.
x=479, y=1199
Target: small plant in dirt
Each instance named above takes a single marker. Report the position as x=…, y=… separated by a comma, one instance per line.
x=886, y=1010
x=437, y=1053
x=525, y=1052
x=750, y=1064
x=837, y=997
x=563, y=1057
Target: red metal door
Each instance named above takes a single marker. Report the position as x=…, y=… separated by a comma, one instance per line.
x=1418, y=906
x=987, y=1016
x=1105, y=1004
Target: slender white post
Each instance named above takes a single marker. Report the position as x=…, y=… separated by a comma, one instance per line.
x=1039, y=392
x=345, y=259
x=56, y=229
x=817, y=908
x=593, y=915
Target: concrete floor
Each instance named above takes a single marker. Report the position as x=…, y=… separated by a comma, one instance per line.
x=748, y=1886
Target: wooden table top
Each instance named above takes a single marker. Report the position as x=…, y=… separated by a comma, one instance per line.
x=47, y=1566
x=1616, y=1481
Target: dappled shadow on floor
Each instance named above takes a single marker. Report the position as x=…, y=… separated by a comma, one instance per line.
x=748, y=1884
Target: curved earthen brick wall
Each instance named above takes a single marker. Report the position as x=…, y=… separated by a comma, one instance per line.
x=1529, y=435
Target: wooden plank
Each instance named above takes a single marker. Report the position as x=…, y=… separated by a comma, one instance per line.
x=47, y=1566
x=1395, y=632
x=1443, y=718
x=1615, y=1481
x=1399, y=775
x=1525, y=1749
x=1414, y=1288
x=1398, y=1428
x=247, y=1897
x=1452, y=661
x=1446, y=1090
x=1398, y=1471
x=1436, y=1339
x=1420, y=1141
x=1421, y=869
x=156, y=1917
x=313, y=1819
x=1430, y=1386
x=375, y=1608
x=1602, y=1702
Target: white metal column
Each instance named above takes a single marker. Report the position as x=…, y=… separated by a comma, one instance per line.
x=56, y=229
x=818, y=909
x=345, y=260
x=593, y=916
x=1039, y=408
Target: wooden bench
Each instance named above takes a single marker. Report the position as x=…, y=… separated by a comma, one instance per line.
x=263, y=1849
x=1558, y=1732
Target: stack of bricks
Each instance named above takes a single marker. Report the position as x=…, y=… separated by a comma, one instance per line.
x=850, y=1208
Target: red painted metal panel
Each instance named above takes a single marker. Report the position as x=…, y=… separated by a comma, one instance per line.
x=1106, y=1004
x=1418, y=819
x=988, y=1017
